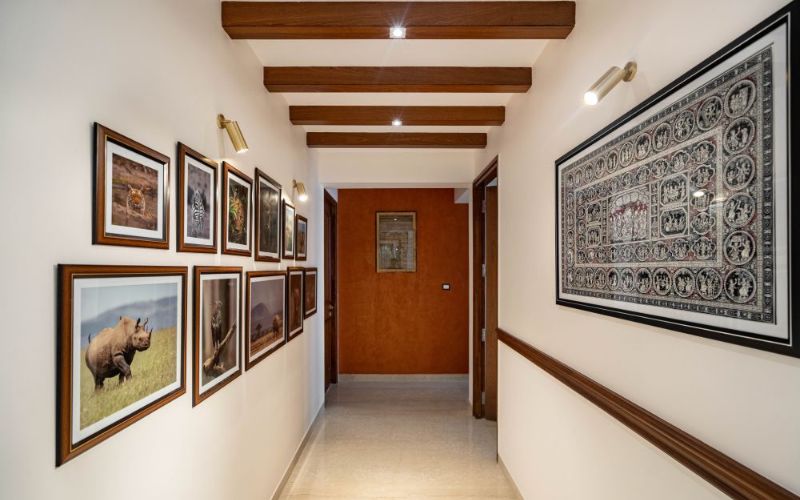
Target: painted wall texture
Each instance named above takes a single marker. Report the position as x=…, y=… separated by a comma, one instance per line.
x=742, y=401
x=158, y=72
x=394, y=323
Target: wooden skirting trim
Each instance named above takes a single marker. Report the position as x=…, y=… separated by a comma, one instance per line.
x=728, y=475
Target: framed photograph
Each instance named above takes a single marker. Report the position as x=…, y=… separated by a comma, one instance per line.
x=396, y=242
x=217, y=333
x=268, y=218
x=121, y=346
x=288, y=230
x=236, y=210
x=131, y=192
x=678, y=214
x=197, y=201
x=294, y=300
x=301, y=234
x=265, y=314
x=310, y=289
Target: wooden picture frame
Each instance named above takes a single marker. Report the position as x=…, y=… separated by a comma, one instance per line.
x=268, y=218
x=295, y=281
x=131, y=192
x=309, y=291
x=396, y=242
x=301, y=238
x=111, y=387
x=288, y=234
x=252, y=358
x=236, y=211
x=678, y=214
x=196, y=203
x=216, y=328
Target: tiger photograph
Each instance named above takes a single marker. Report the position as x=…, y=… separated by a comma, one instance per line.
x=134, y=190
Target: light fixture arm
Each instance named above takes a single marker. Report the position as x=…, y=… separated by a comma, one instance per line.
x=608, y=81
x=234, y=132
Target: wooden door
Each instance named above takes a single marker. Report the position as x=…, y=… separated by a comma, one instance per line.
x=490, y=314
x=330, y=275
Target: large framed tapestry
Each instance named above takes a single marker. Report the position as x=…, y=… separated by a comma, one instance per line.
x=678, y=213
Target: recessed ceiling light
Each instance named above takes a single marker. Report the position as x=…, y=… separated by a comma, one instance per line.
x=397, y=32
x=397, y=122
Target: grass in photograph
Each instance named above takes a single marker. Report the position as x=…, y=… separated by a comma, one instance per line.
x=151, y=370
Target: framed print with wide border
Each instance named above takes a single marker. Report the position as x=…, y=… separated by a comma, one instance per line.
x=396, y=242
x=121, y=349
x=268, y=218
x=265, y=314
x=310, y=292
x=237, y=201
x=301, y=238
x=294, y=302
x=131, y=192
x=217, y=329
x=197, y=201
x=289, y=242
x=678, y=214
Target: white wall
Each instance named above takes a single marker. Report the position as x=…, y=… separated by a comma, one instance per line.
x=158, y=72
x=742, y=401
x=367, y=168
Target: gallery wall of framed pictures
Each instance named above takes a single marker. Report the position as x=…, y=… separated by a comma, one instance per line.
x=122, y=329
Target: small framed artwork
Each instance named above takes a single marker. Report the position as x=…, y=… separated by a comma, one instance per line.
x=679, y=214
x=268, y=218
x=396, y=242
x=197, y=201
x=294, y=301
x=217, y=333
x=121, y=346
x=310, y=289
x=301, y=234
x=236, y=210
x=264, y=315
x=288, y=230
x=131, y=192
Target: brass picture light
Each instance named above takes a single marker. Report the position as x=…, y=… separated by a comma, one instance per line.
x=234, y=132
x=608, y=81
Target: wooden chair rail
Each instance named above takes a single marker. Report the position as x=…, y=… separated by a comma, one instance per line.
x=730, y=476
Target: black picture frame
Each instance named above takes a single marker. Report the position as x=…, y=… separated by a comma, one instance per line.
x=672, y=318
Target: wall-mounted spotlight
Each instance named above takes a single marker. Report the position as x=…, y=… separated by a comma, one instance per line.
x=234, y=132
x=608, y=81
x=397, y=122
x=302, y=194
x=397, y=32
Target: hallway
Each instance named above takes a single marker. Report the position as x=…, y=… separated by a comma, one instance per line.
x=399, y=439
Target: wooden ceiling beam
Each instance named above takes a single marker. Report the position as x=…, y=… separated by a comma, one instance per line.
x=409, y=115
x=396, y=79
x=394, y=140
x=372, y=20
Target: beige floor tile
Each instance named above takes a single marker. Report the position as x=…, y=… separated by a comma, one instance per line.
x=389, y=439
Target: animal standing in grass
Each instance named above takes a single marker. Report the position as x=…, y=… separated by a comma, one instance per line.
x=111, y=352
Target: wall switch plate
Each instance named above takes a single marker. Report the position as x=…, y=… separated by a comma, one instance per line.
x=446, y=286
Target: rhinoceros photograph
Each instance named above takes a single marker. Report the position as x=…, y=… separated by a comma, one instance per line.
x=128, y=346
x=121, y=349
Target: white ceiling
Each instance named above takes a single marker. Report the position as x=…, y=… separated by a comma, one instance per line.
x=397, y=53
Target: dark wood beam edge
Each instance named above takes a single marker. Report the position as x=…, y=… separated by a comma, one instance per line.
x=427, y=20
x=410, y=115
x=730, y=476
x=395, y=140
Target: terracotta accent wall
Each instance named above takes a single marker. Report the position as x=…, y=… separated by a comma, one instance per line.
x=403, y=323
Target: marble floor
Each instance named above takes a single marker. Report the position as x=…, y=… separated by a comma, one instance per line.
x=399, y=439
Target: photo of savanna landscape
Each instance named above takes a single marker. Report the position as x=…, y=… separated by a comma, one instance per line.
x=135, y=191
x=129, y=346
x=266, y=312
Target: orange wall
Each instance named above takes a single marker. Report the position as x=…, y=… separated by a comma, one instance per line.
x=403, y=322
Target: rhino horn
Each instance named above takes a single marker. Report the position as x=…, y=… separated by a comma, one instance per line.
x=138, y=320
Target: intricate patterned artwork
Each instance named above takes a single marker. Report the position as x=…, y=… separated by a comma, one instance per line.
x=676, y=214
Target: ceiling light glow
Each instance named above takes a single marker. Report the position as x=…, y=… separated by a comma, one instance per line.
x=397, y=122
x=397, y=32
